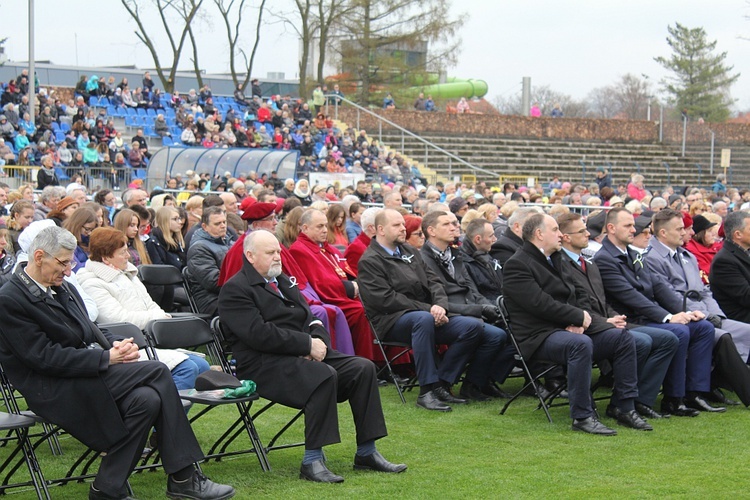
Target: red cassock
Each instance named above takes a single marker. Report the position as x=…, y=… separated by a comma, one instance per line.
x=233, y=263
x=327, y=270
x=355, y=251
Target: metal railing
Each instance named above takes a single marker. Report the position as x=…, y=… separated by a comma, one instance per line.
x=333, y=100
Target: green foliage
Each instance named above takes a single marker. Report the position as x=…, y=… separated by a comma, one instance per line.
x=701, y=79
x=473, y=452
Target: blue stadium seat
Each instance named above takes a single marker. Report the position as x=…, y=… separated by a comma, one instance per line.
x=166, y=141
x=148, y=131
x=55, y=126
x=151, y=112
x=65, y=127
x=130, y=111
x=169, y=112
x=59, y=137
x=103, y=101
x=61, y=175
x=130, y=122
x=199, y=115
x=93, y=101
x=140, y=112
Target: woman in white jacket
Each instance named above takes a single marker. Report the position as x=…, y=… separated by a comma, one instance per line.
x=112, y=282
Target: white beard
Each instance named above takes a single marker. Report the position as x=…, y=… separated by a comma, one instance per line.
x=274, y=270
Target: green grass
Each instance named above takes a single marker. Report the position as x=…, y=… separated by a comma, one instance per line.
x=473, y=452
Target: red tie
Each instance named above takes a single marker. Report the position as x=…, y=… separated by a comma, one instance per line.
x=583, y=263
x=275, y=288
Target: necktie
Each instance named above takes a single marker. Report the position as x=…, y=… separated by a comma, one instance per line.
x=274, y=287
x=583, y=263
x=678, y=258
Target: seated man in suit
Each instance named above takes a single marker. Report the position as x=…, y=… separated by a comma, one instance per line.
x=679, y=268
x=86, y=381
x=646, y=299
x=654, y=347
x=730, y=269
x=406, y=303
x=543, y=304
x=512, y=239
x=441, y=230
x=484, y=271
x=279, y=344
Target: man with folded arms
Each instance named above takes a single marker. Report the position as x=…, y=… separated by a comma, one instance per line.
x=645, y=298
x=406, y=303
x=543, y=304
x=280, y=345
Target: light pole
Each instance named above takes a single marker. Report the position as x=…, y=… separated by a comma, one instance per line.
x=32, y=69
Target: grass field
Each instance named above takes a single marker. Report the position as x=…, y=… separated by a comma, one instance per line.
x=473, y=452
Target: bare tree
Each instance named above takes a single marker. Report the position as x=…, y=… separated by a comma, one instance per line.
x=232, y=12
x=547, y=99
x=632, y=94
x=603, y=102
x=380, y=32
x=303, y=21
x=176, y=17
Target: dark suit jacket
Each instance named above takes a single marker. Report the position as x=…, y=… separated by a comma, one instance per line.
x=269, y=334
x=391, y=286
x=505, y=246
x=43, y=350
x=632, y=288
x=591, y=281
x=463, y=297
x=730, y=281
x=542, y=299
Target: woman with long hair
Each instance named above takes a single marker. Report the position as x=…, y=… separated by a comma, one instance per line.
x=291, y=227
x=81, y=224
x=166, y=244
x=21, y=215
x=336, y=216
x=128, y=222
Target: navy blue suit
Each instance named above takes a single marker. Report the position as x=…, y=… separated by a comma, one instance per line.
x=646, y=298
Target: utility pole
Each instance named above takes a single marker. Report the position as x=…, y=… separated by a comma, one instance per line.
x=526, y=96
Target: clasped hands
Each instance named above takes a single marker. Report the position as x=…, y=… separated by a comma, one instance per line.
x=123, y=351
x=438, y=313
x=683, y=318
x=580, y=329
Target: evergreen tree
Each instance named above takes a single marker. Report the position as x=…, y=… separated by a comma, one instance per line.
x=700, y=78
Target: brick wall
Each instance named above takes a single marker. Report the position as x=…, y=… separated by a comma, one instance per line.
x=582, y=129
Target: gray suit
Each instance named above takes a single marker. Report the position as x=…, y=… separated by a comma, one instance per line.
x=685, y=276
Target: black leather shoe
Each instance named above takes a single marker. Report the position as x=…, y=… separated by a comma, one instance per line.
x=198, y=487
x=444, y=395
x=543, y=392
x=697, y=402
x=592, y=426
x=494, y=391
x=95, y=494
x=677, y=408
x=717, y=396
x=429, y=401
x=318, y=472
x=628, y=419
x=648, y=412
x=376, y=462
x=472, y=392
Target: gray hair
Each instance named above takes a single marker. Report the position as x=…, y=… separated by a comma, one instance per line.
x=531, y=225
x=368, y=217
x=521, y=214
x=658, y=202
x=52, y=240
x=308, y=215
x=48, y=193
x=249, y=244
x=718, y=204
x=735, y=221
x=128, y=195
x=348, y=200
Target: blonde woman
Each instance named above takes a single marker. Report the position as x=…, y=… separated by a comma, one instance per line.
x=128, y=222
x=166, y=244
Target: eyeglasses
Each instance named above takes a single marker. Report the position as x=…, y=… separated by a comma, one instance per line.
x=176, y=219
x=66, y=263
x=87, y=230
x=418, y=234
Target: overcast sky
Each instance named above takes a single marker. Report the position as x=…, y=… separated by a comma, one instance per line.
x=571, y=45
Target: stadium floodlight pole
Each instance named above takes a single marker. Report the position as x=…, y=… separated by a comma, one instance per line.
x=526, y=96
x=32, y=71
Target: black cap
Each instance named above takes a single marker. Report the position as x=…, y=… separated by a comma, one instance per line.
x=213, y=379
x=595, y=224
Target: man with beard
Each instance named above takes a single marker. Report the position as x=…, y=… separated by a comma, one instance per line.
x=279, y=344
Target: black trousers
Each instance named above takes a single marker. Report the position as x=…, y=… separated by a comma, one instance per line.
x=355, y=381
x=146, y=397
x=730, y=371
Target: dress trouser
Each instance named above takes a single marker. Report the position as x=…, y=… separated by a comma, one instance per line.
x=690, y=369
x=463, y=335
x=147, y=397
x=353, y=379
x=579, y=351
x=730, y=371
x=655, y=348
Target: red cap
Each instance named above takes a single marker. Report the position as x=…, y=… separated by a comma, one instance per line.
x=247, y=202
x=687, y=220
x=258, y=211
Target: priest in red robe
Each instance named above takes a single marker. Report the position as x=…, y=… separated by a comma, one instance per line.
x=332, y=277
